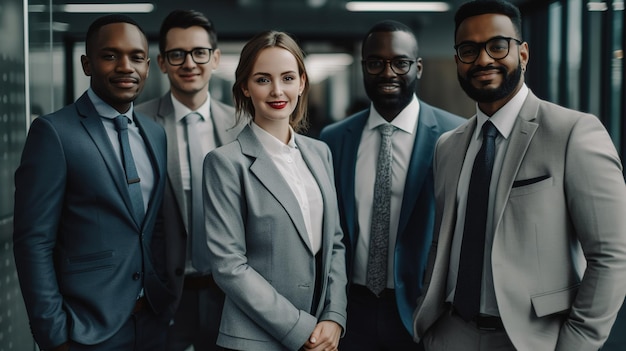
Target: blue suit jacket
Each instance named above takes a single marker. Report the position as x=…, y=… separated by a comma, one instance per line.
x=417, y=216
x=79, y=252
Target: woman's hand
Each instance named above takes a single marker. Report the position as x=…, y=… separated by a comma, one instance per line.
x=325, y=337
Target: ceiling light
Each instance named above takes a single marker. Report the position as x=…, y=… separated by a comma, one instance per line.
x=397, y=6
x=108, y=8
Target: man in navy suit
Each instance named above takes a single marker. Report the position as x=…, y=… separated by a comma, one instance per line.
x=83, y=247
x=382, y=320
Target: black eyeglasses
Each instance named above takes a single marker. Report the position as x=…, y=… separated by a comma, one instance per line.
x=497, y=48
x=177, y=57
x=399, y=66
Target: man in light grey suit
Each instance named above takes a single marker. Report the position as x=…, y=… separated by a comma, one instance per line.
x=188, y=55
x=551, y=269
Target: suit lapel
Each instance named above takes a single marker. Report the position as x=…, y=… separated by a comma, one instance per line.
x=316, y=166
x=520, y=138
x=347, y=170
x=223, y=123
x=264, y=169
x=157, y=163
x=92, y=122
x=175, y=178
x=426, y=136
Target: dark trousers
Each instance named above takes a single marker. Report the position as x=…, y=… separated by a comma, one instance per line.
x=374, y=323
x=143, y=331
x=198, y=317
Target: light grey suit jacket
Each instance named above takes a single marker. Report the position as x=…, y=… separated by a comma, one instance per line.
x=260, y=252
x=174, y=211
x=559, y=249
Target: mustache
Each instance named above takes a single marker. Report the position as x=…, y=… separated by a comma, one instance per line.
x=477, y=69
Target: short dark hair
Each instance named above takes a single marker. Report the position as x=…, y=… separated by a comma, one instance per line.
x=185, y=19
x=482, y=7
x=103, y=21
x=388, y=26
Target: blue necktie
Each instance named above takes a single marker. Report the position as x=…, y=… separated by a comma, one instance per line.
x=468, y=284
x=132, y=178
x=376, y=279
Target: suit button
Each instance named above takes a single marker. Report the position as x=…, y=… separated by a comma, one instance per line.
x=179, y=271
x=136, y=276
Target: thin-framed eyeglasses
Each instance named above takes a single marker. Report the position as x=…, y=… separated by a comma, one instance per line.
x=177, y=57
x=497, y=48
x=399, y=66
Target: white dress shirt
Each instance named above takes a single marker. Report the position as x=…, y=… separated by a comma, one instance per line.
x=289, y=161
x=504, y=120
x=403, y=140
x=207, y=132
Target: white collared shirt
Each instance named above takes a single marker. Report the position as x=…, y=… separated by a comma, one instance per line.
x=298, y=176
x=403, y=140
x=504, y=120
x=205, y=127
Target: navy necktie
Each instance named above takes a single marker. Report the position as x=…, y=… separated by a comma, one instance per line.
x=197, y=237
x=132, y=178
x=468, y=284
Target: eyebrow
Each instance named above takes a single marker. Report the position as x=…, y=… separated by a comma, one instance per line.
x=269, y=75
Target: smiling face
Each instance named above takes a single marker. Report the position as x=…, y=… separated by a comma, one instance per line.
x=274, y=86
x=491, y=83
x=189, y=79
x=391, y=92
x=117, y=64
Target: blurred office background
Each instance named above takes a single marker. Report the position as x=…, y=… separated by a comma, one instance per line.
x=576, y=60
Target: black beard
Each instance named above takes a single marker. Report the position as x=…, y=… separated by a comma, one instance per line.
x=391, y=102
x=507, y=87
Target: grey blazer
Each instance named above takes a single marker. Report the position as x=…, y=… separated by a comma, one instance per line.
x=559, y=248
x=260, y=252
x=174, y=211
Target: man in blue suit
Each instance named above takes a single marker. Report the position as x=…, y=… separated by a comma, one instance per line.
x=84, y=223
x=381, y=319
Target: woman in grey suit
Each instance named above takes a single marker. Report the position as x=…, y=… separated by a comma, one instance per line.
x=272, y=220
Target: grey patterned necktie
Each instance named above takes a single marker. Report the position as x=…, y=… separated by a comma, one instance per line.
x=376, y=279
x=199, y=250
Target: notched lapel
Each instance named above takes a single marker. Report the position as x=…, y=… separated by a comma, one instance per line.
x=267, y=173
x=92, y=122
x=174, y=176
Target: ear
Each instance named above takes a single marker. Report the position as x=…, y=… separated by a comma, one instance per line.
x=302, y=84
x=161, y=62
x=84, y=61
x=215, y=60
x=524, y=55
x=245, y=91
x=420, y=67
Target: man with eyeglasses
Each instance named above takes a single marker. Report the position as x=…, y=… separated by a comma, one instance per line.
x=530, y=242
x=387, y=216
x=195, y=124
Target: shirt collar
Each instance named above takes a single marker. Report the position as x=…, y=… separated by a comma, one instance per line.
x=505, y=117
x=406, y=120
x=271, y=144
x=180, y=110
x=104, y=109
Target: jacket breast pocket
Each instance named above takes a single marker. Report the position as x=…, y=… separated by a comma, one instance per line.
x=531, y=185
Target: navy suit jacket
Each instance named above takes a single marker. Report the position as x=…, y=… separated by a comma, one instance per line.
x=81, y=257
x=417, y=216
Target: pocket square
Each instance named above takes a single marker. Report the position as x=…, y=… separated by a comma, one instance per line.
x=529, y=181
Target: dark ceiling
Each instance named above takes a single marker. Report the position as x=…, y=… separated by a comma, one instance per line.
x=240, y=19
